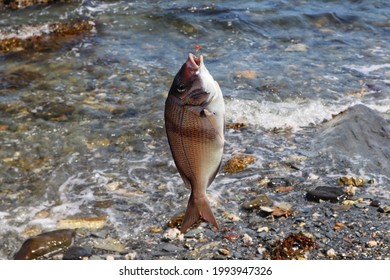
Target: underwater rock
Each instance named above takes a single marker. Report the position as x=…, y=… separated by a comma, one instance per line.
x=356, y=134
x=46, y=36
x=45, y=243
x=20, y=4
x=332, y=194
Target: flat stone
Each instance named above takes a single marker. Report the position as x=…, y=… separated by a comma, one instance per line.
x=332, y=194
x=257, y=202
x=77, y=253
x=45, y=243
x=83, y=222
x=170, y=248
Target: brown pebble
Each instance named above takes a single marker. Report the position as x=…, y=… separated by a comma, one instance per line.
x=45, y=243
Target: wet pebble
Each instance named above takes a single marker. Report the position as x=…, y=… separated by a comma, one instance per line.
x=332, y=194
x=331, y=253
x=238, y=163
x=82, y=222
x=77, y=253
x=45, y=243
x=108, y=244
x=384, y=209
x=172, y=234
x=257, y=202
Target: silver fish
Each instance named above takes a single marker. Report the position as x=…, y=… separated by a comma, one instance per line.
x=194, y=122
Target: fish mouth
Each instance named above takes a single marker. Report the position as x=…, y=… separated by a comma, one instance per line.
x=194, y=63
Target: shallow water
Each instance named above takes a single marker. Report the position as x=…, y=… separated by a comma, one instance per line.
x=82, y=121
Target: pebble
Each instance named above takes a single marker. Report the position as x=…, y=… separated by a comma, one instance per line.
x=297, y=48
x=130, y=256
x=332, y=194
x=45, y=243
x=384, y=209
x=238, y=163
x=263, y=229
x=77, y=253
x=108, y=244
x=331, y=253
x=173, y=234
x=257, y=202
x=170, y=248
x=372, y=243
x=247, y=239
x=230, y=216
x=224, y=251
x=83, y=222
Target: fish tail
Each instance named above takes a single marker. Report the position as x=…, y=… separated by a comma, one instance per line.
x=197, y=208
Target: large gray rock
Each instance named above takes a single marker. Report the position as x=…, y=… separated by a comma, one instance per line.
x=359, y=138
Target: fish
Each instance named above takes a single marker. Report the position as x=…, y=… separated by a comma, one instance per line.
x=195, y=123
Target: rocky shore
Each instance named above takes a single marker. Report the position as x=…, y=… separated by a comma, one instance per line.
x=286, y=217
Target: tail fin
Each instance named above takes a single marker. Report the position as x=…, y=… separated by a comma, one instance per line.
x=197, y=208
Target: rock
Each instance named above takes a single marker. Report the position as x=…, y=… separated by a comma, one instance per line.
x=247, y=74
x=257, y=202
x=170, y=248
x=108, y=244
x=45, y=243
x=130, y=256
x=332, y=194
x=223, y=251
x=263, y=229
x=172, y=234
x=384, y=209
x=86, y=222
x=194, y=232
x=297, y=48
x=247, y=239
x=351, y=181
x=331, y=253
x=372, y=243
x=238, y=163
x=77, y=253
x=230, y=216
x=358, y=132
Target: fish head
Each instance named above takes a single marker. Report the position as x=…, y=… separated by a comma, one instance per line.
x=193, y=84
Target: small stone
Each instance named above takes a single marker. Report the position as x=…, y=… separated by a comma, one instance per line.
x=372, y=243
x=338, y=226
x=297, y=48
x=332, y=194
x=110, y=258
x=263, y=229
x=109, y=244
x=77, y=253
x=83, y=222
x=384, y=209
x=231, y=216
x=247, y=239
x=351, y=181
x=45, y=243
x=155, y=229
x=32, y=230
x=170, y=248
x=375, y=203
x=266, y=209
x=238, y=163
x=172, y=234
x=231, y=236
x=224, y=251
x=350, y=190
x=331, y=253
x=257, y=202
x=194, y=232
x=284, y=189
x=247, y=74
x=130, y=256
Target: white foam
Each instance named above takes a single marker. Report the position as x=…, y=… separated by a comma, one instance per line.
x=366, y=70
x=267, y=114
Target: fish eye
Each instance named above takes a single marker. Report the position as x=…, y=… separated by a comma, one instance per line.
x=181, y=88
